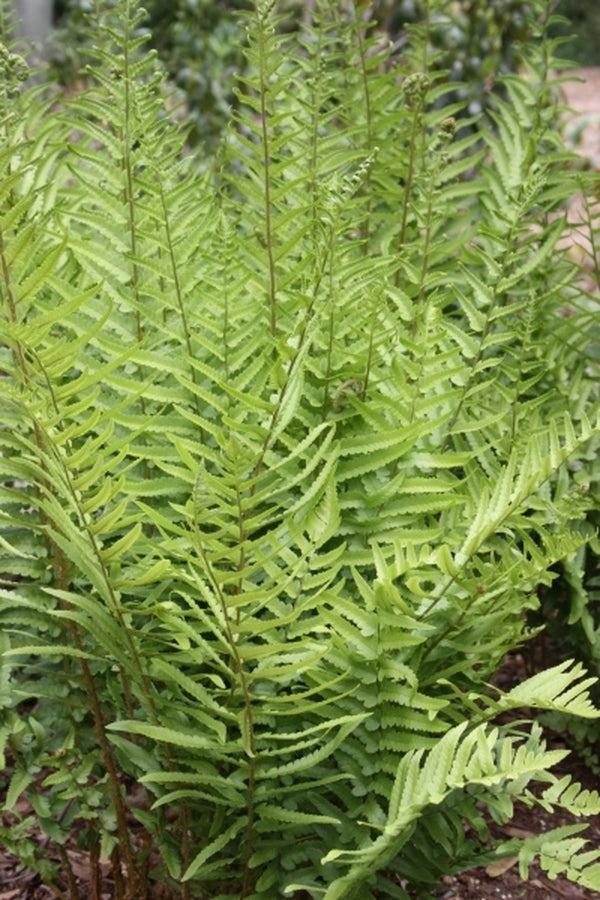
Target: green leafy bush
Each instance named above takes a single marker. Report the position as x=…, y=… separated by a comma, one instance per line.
x=199, y=42
x=581, y=25
x=288, y=449
x=474, y=42
x=201, y=45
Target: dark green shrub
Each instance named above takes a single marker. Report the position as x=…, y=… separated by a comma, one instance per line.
x=199, y=42
x=474, y=43
x=582, y=27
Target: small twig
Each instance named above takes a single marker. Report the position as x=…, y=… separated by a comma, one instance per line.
x=68, y=869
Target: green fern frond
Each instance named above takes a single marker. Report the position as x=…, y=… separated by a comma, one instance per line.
x=560, y=687
x=481, y=761
x=287, y=446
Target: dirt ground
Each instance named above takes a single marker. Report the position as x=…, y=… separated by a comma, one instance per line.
x=582, y=129
x=582, y=132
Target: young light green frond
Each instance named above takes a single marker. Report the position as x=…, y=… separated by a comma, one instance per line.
x=561, y=687
x=558, y=851
x=432, y=782
x=579, y=801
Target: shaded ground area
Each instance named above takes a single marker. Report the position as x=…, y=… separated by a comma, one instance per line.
x=482, y=884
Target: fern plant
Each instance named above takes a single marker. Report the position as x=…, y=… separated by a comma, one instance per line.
x=287, y=453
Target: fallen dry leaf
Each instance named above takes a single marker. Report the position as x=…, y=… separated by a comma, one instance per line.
x=512, y=831
x=494, y=870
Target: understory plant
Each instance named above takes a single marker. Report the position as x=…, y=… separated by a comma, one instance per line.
x=291, y=440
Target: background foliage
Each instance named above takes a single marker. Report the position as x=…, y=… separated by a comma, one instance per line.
x=200, y=44
x=293, y=438
x=583, y=30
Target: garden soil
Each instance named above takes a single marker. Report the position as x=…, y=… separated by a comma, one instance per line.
x=582, y=131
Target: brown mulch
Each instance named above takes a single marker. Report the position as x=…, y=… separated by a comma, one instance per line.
x=20, y=883
x=482, y=884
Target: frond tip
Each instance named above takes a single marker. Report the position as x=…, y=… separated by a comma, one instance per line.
x=562, y=688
